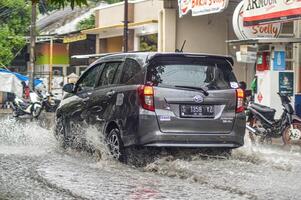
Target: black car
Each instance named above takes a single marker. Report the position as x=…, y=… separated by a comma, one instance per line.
x=156, y=99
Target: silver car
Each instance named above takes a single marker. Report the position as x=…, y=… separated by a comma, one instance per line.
x=156, y=99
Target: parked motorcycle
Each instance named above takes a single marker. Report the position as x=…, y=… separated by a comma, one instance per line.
x=261, y=123
x=31, y=107
x=49, y=103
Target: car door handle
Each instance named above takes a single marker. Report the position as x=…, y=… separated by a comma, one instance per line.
x=110, y=94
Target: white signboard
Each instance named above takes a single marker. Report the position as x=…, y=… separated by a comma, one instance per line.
x=201, y=7
x=248, y=57
x=257, y=31
x=267, y=11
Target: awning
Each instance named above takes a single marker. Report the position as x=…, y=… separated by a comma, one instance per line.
x=132, y=25
x=10, y=83
x=21, y=77
x=264, y=41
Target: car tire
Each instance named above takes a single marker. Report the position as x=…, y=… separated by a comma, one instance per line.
x=60, y=131
x=115, y=145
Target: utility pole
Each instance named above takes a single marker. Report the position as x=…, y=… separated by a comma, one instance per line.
x=31, y=66
x=50, y=65
x=126, y=28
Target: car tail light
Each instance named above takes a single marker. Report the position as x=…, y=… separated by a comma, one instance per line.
x=146, y=95
x=240, y=95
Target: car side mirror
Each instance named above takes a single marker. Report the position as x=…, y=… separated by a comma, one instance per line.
x=69, y=88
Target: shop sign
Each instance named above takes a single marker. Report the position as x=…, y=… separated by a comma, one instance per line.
x=286, y=83
x=74, y=38
x=267, y=11
x=246, y=57
x=201, y=7
x=257, y=31
x=279, y=61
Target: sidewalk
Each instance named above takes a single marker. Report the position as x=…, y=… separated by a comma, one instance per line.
x=6, y=111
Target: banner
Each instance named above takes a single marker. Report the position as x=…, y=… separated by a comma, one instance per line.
x=270, y=11
x=286, y=83
x=74, y=38
x=256, y=31
x=201, y=7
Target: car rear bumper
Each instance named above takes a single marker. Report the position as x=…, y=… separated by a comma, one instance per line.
x=231, y=140
x=150, y=135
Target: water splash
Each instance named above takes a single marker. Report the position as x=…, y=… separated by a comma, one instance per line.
x=23, y=133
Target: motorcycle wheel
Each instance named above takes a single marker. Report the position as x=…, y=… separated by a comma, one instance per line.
x=258, y=139
x=15, y=113
x=292, y=134
x=36, y=112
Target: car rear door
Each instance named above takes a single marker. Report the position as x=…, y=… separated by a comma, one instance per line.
x=182, y=106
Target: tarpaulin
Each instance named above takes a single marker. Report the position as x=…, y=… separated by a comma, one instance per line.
x=10, y=83
x=22, y=77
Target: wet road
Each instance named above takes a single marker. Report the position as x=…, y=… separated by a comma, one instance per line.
x=33, y=166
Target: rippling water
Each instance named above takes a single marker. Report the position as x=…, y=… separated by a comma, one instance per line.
x=33, y=166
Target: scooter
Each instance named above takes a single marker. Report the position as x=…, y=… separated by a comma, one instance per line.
x=49, y=103
x=261, y=122
x=31, y=107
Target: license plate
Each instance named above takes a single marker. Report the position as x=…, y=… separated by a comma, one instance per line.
x=197, y=111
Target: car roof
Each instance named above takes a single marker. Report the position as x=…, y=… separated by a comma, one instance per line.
x=144, y=57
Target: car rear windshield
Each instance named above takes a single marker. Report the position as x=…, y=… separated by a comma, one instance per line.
x=210, y=75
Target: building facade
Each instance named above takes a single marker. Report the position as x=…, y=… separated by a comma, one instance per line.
x=159, y=21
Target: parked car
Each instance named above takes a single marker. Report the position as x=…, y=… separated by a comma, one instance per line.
x=156, y=99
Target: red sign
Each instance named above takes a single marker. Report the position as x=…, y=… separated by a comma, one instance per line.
x=270, y=11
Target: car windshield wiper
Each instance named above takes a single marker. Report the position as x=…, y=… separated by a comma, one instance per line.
x=204, y=90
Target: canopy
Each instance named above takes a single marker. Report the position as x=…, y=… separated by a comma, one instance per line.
x=21, y=77
x=10, y=83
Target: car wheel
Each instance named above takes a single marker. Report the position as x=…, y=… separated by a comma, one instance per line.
x=115, y=145
x=59, y=131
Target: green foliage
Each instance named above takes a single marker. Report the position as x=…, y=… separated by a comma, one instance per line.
x=149, y=42
x=108, y=1
x=112, y=1
x=86, y=23
x=45, y=7
x=15, y=20
x=64, y=3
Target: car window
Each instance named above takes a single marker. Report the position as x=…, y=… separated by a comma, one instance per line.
x=108, y=74
x=185, y=74
x=89, y=78
x=130, y=69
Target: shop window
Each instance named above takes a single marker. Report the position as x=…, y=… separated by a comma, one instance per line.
x=149, y=42
x=71, y=70
x=289, y=57
x=57, y=71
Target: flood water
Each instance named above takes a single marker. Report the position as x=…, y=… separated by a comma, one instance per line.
x=34, y=166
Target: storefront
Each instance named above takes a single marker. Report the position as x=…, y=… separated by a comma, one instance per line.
x=275, y=40
x=156, y=25
x=165, y=25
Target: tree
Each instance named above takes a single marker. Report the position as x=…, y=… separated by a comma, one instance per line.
x=15, y=20
x=86, y=23
x=64, y=3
